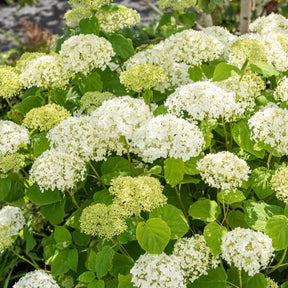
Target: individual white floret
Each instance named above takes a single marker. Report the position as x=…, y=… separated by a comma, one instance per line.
x=12, y=136
x=157, y=271
x=247, y=250
x=223, y=170
x=168, y=136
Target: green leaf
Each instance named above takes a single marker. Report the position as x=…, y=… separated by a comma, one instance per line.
x=103, y=196
x=205, y=210
x=130, y=233
x=231, y=196
x=165, y=19
x=122, y=46
x=58, y=95
x=121, y=265
x=61, y=234
x=173, y=171
x=190, y=166
x=39, y=144
x=189, y=179
x=96, y=284
x=216, y=278
x=257, y=281
x=54, y=213
x=28, y=235
x=91, y=260
x=80, y=239
x=160, y=110
x=213, y=234
x=5, y=187
x=235, y=218
x=89, y=26
x=11, y=188
x=64, y=261
x=195, y=73
x=125, y=281
x=104, y=260
x=27, y=104
x=241, y=135
x=224, y=71
x=57, y=46
x=260, y=182
x=174, y=217
x=264, y=69
x=153, y=236
x=154, y=170
x=86, y=277
x=43, y=198
x=187, y=19
x=277, y=229
x=257, y=213
x=92, y=82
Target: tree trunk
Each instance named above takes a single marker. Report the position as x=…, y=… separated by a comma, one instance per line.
x=245, y=14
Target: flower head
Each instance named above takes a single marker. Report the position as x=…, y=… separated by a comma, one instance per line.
x=247, y=250
x=279, y=183
x=10, y=84
x=82, y=53
x=117, y=18
x=168, y=136
x=281, y=91
x=36, y=279
x=176, y=4
x=74, y=15
x=103, y=221
x=271, y=283
x=203, y=99
x=223, y=170
x=195, y=256
x=46, y=117
x=11, y=162
x=12, y=136
x=157, y=271
x=57, y=169
x=136, y=194
x=142, y=77
x=44, y=71
x=13, y=218
x=269, y=126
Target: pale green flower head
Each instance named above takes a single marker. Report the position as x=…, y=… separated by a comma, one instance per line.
x=10, y=84
x=279, y=183
x=176, y=4
x=143, y=77
x=26, y=57
x=73, y=16
x=117, y=18
x=46, y=117
x=271, y=283
x=92, y=100
x=11, y=162
x=93, y=4
x=103, y=221
x=281, y=91
x=138, y=194
x=6, y=239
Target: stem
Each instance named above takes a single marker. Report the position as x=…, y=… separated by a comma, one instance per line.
x=122, y=250
x=240, y=278
x=231, y=284
x=208, y=131
x=136, y=219
x=153, y=7
x=35, y=265
x=181, y=203
x=279, y=263
x=97, y=175
x=223, y=205
x=12, y=108
x=269, y=158
x=225, y=134
x=129, y=157
x=74, y=200
x=231, y=136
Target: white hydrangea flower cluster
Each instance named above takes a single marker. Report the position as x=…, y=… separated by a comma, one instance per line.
x=36, y=279
x=157, y=271
x=176, y=4
x=193, y=47
x=168, y=136
x=195, y=257
x=177, y=72
x=222, y=35
x=279, y=183
x=273, y=23
x=57, y=169
x=91, y=4
x=120, y=18
x=11, y=222
x=247, y=250
x=74, y=15
x=223, y=170
x=201, y=100
x=271, y=283
x=82, y=53
x=44, y=71
x=276, y=50
x=281, y=91
x=245, y=88
x=12, y=136
x=269, y=126
x=75, y=135
x=121, y=116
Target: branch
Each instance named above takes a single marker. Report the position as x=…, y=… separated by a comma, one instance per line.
x=153, y=7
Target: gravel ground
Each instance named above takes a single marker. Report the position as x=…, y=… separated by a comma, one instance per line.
x=50, y=15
